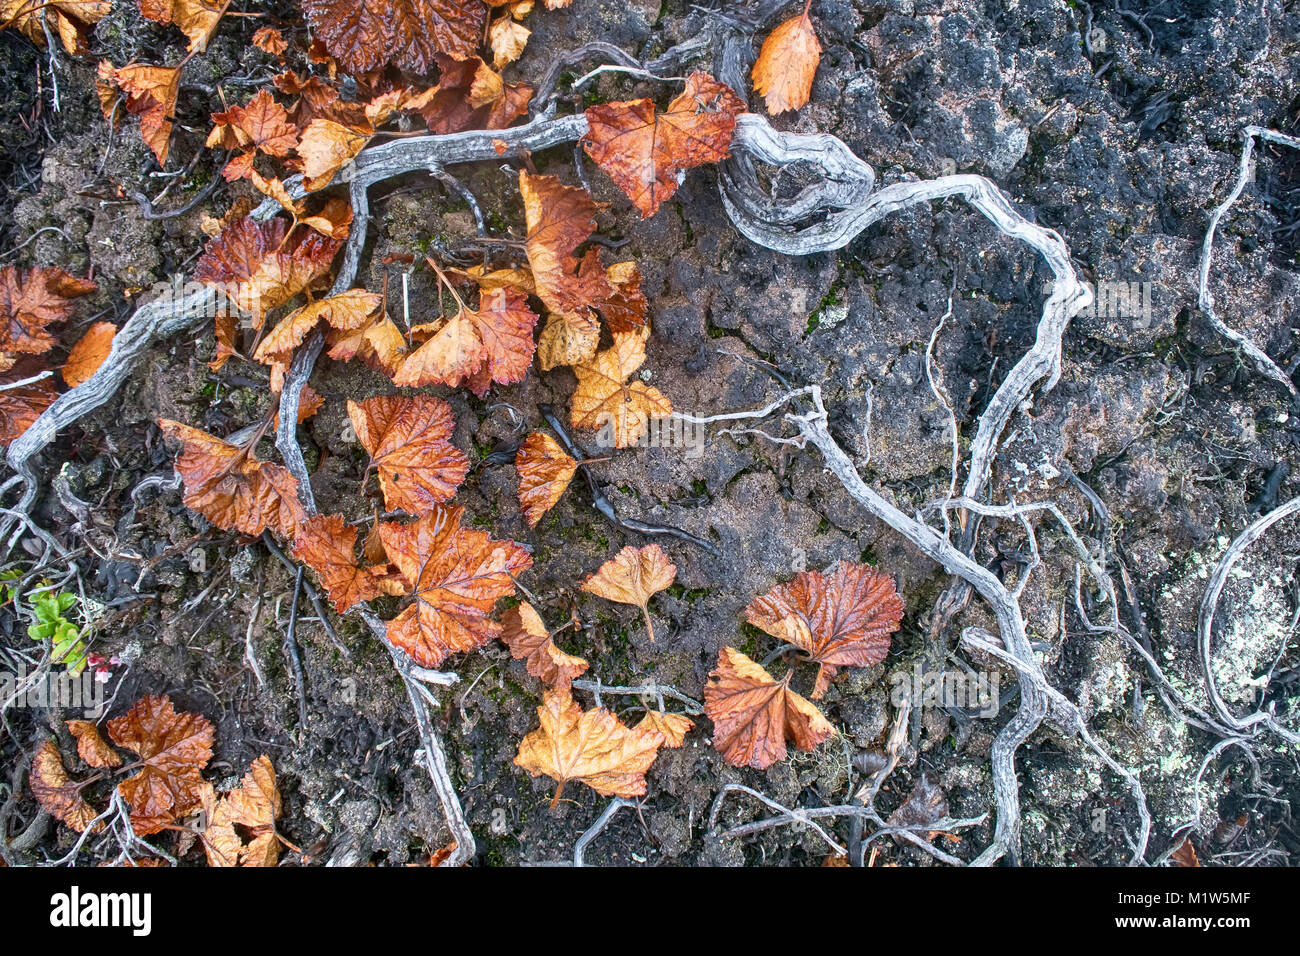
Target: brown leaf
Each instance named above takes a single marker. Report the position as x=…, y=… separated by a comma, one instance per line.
x=560, y=218
x=783, y=73
x=753, y=715
x=195, y=18
x=261, y=266
x=70, y=20
x=262, y=125
x=32, y=300
x=270, y=39
x=471, y=95
x=254, y=806
x=58, y=795
x=674, y=727
x=151, y=93
x=173, y=747
x=843, y=620
x=626, y=308
x=632, y=576
x=91, y=747
x=545, y=471
x=643, y=150
x=346, y=311
x=1185, y=854
x=409, y=441
x=89, y=353
x=380, y=345
x=493, y=343
x=364, y=35
x=605, y=400
x=592, y=747
x=327, y=545
x=507, y=39
x=325, y=148
x=21, y=406
x=233, y=489
x=525, y=634
x=456, y=574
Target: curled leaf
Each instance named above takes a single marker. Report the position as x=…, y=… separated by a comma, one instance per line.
x=58, y=795
x=91, y=747
x=545, y=471
x=525, y=634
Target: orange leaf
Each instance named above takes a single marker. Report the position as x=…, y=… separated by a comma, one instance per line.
x=471, y=95
x=195, y=18
x=89, y=353
x=604, y=399
x=783, y=73
x=753, y=715
x=327, y=545
x=544, y=473
x=91, y=747
x=325, y=148
x=560, y=218
x=632, y=576
x=263, y=125
x=253, y=806
x=592, y=747
x=270, y=39
x=261, y=266
x=409, y=441
x=674, y=727
x=507, y=39
x=625, y=309
x=150, y=94
x=380, y=345
x=456, y=574
x=231, y=488
x=493, y=343
x=173, y=748
x=32, y=300
x=346, y=311
x=364, y=35
x=58, y=795
x=525, y=634
x=840, y=620
x=643, y=151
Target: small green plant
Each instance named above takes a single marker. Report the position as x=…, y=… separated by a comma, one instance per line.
x=49, y=610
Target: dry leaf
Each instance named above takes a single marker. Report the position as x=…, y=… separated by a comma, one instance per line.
x=545, y=471
x=409, y=441
x=560, y=218
x=380, y=345
x=364, y=35
x=843, y=620
x=30, y=301
x=261, y=266
x=195, y=18
x=327, y=545
x=471, y=95
x=632, y=576
x=270, y=40
x=346, y=311
x=254, y=806
x=605, y=400
x=173, y=748
x=70, y=20
x=643, y=150
x=231, y=488
x=592, y=747
x=783, y=73
x=753, y=715
x=674, y=727
x=507, y=39
x=325, y=148
x=626, y=308
x=262, y=125
x=89, y=353
x=456, y=574
x=1185, y=854
x=91, y=747
x=493, y=343
x=151, y=93
x=58, y=795
x=525, y=634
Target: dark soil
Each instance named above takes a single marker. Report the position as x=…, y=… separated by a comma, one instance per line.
x=1123, y=143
